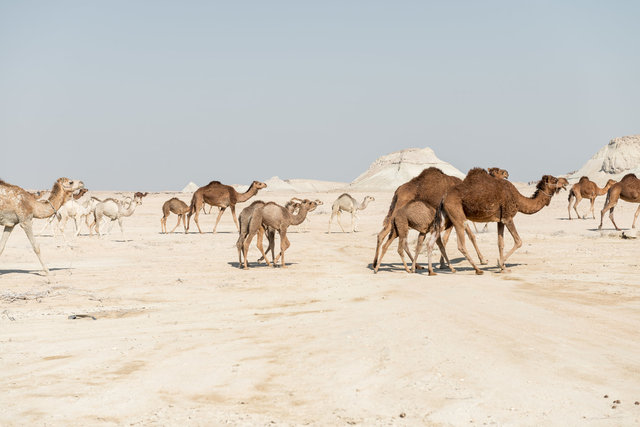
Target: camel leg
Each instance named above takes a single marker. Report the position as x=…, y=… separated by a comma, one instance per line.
x=196, y=216
x=593, y=201
x=421, y=237
x=460, y=230
x=635, y=216
x=392, y=236
x=401, y=248
x=284, y=245
x=575, y=206
x=330, y=220
x=381, y=235
x=445, y=239
x=443, y=251
x=260, y=245
x=569, y=205
x=609, y=205
x=5, y=236
x=352, y=222
x=472, y=237
x=271, y=236
x=501, y=246
x=121, y=227
x=47, y=224
x=163, y=221
x=217, y=219
x=177, y=224
x=26, y=226
x=339, y=223
x=184, y=223
x=611, y=218
x=433, y=239
x=517, y=241
x=233, y=214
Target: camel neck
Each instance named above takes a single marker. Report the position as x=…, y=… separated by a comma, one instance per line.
x=533, y=204
x=364, y=204
x=298, y=218
x=243, y=197
x=46, y=208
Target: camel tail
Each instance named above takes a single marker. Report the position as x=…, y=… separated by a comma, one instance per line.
x=441, y=222
x=571, y=195
x=392, y=207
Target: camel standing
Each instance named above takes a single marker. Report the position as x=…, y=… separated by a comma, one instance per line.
x=483, y=198
x=278, y=218
x=18, y=206
x=179, y=208
x=421, y=217
x=346, y=203
x=114, y=210
x=586, y=189
x=428, y=187
x=628, y=189
x=223, y=196
x=77, y=208
x=293, y=205
x=62, y=212
x=245, y=218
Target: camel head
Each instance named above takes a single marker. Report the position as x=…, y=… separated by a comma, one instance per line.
x=368, y=199
x=562, y=184
x=140, y=195
x=258, y=185
x=311, y=205
x=549, y=185
x=81, y=192
x=610, y=183
x=69, y=185
x=498, y=173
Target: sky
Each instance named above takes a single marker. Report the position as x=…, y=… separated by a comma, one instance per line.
x=150, y=95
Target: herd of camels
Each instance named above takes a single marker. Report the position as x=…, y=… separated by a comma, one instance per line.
x=433, y=203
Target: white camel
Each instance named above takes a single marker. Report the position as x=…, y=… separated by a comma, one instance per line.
x=114, y=210
x=79, y=207
x=346, y=203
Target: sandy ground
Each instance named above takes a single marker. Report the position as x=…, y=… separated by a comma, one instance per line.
x=183, y=336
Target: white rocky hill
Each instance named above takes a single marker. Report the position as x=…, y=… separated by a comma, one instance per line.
x=190, y=187
x=616, y=159
x=392, y=170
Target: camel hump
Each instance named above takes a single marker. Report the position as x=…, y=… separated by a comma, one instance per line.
x=584, y=179
x=476, y=172
x=214, y=183
x=629, y=176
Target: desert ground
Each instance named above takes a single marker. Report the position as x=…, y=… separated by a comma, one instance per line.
x=183, y=336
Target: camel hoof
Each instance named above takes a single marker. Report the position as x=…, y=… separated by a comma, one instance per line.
x=479, y=272
x=483, y=262
x=453, y=270
x=432, y=273
x=419, y=267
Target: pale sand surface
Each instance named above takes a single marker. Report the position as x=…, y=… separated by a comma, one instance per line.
x=183, y=336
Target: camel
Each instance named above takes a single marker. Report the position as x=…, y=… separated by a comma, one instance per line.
x=496, y=173
x=421, y=217
x=278, y=218
x=179, y=208
x=428, y=187
x=628, y=189
x=62, y=212
x=481, y=197
x=77, y=208
x=114, y=210
x=18, y=206
x=293, y=205
x=245, y=218
x=586, y=189
x=223, y=196
x=346, y=203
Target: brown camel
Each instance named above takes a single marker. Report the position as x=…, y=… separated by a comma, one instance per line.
x=586, y=189
x=628, y=189
x=18, y=206
x=223, y=196
x=481, y=197
x=278, y=218
x=179, y=208
x=421, y=217
x=428, y=187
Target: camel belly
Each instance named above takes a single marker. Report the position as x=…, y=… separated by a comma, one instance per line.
x=8, y=218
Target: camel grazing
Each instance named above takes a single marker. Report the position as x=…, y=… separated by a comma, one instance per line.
x=179, y=208
x=428, y=187
x=628, y=189
x=346, y=203
x=421, y=217
x=483, y=198
x=278, y=218
x=114, y=210
x=223, y=196
x=586, y=189
x=18, y=206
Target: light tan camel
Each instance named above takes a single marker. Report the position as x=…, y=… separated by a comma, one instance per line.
x=481, y=197
x=223, y=196
x=421, y=217
x=278, y=218
x=628, y=189
x=586, y=189
x=18, y=206
x=179, y=208
x=245, y=218
x=293, y=205
x=114, y=210
x=428, y=187
x=346, y=203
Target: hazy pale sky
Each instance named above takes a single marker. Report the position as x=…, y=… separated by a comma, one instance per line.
x=149, y=95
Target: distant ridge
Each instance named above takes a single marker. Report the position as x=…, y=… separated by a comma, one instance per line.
x=613, y=161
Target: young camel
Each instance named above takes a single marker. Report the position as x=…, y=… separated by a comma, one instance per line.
x=18, y=206
x=586, y=189
x=429, y=187
x=346, y=203
x=293, y=205
x=66, y=210
x=114, y=210
x=421, y=217
x=483, y=198
x=278, y=218
x=77, y=208
x=628, y=189
x=223, y=196
x=245, y=218
x=179, y=208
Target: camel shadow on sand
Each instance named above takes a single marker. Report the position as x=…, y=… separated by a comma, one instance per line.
x=35, y=271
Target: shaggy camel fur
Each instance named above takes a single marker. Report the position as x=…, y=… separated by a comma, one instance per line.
x=223, y=196
x=179, y=208
x=420, y=217
x=428, y=187
x=278, y=218
x=481, y=197
x=496, y=173
x=586, y=189
x=114, y=210
x=18, y=206
x=346, y=203
x=628, y=189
